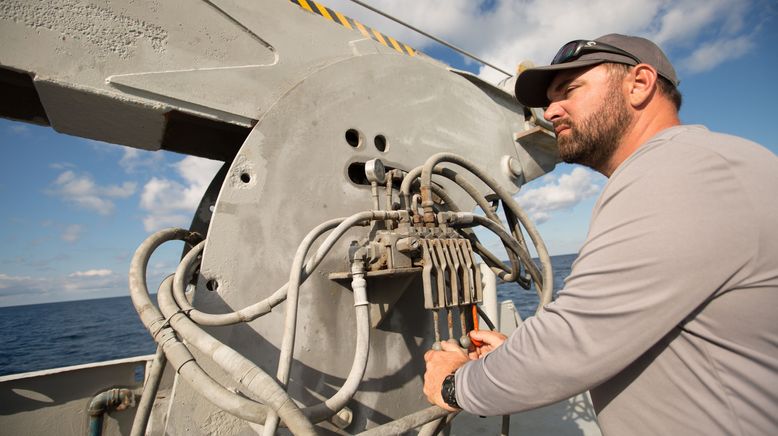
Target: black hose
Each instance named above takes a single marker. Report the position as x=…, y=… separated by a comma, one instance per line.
x=486, y=319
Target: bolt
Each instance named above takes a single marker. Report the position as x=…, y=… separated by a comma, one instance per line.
x=343, y=418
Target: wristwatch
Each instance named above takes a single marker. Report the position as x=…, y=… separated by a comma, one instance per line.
x=448, y=391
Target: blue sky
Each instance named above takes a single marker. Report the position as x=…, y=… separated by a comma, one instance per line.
x=75, y=209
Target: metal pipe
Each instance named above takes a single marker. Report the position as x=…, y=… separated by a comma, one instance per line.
x=506, y=425
x=374, y=195
x=112, y=399
x=490, y=292
x=149, y=394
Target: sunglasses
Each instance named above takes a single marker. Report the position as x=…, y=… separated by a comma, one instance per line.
x=574, y=49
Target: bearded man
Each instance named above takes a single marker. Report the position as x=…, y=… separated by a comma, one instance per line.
x=669, y=314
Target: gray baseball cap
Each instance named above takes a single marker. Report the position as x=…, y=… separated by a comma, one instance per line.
x=532, y=84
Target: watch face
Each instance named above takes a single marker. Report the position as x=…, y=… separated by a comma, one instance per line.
x=448, y=391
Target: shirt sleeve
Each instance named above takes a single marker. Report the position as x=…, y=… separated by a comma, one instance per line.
x=660, y=244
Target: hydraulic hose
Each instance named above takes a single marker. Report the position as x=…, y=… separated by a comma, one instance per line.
x=349, y=388
x=511, y=243
x=295, y=278
x=321, y=411
x=437, y=190
x=249, y=313
x=499, y=268
x=185, y=365
x=242, y=370
x=452, y=175
x=407, y=422
x=544, y=288
x=149, y=394
x=338, y=401
x=264, y=387
x=546, y=284
x=433, y=428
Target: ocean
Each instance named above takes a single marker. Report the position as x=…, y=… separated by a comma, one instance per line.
x=53, y=335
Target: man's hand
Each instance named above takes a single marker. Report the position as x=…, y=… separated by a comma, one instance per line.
x=489, y=341
x=439, y=365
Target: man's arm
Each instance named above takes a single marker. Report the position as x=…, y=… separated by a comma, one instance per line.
x=654, y=255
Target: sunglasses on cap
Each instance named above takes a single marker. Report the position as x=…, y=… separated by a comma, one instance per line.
x=574, y=49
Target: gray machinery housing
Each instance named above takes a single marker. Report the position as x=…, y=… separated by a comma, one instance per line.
x=314, y=121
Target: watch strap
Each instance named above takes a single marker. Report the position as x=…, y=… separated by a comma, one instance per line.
x=448, y=391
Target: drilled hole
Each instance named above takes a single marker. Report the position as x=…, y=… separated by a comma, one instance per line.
x=212, y=285
x=245, y=177
x=380, y=142
x=352, y=137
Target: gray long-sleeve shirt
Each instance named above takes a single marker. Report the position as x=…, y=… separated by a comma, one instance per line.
x=669, y=313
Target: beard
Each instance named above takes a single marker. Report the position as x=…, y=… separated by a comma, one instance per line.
x=593, y=140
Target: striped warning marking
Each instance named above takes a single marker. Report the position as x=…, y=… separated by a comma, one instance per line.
x=350, y=23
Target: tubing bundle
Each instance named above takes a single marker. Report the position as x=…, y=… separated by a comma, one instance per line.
x=176, y=325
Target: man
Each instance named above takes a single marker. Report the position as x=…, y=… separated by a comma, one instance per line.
x=669, y=314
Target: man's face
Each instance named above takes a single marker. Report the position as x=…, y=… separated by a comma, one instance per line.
x=590, y=115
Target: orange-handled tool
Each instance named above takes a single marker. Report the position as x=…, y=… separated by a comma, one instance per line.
x=475, y=342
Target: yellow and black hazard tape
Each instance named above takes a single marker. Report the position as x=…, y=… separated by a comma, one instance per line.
x=350, y=23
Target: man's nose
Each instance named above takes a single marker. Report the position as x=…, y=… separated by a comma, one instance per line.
x=553, y=111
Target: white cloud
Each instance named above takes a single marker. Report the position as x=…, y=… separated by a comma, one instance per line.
x=61, y=165
x=559, y=193
x=92, y=273
x=7, y=281
x=170, y=203
x=102, y=147
x=82, y=191
x=714, y=53
x=515, y=30
x=72, y=233
x=134, y=159
x=78, y=285
x=156, y=221
x=19, y=129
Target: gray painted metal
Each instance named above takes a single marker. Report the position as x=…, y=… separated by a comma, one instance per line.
x=55, y=401
x=296, y=162
x=127, y=72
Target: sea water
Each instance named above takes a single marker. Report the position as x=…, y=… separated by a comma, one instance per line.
x=53, y=335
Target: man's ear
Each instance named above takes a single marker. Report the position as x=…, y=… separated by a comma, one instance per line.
x=642, y=85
